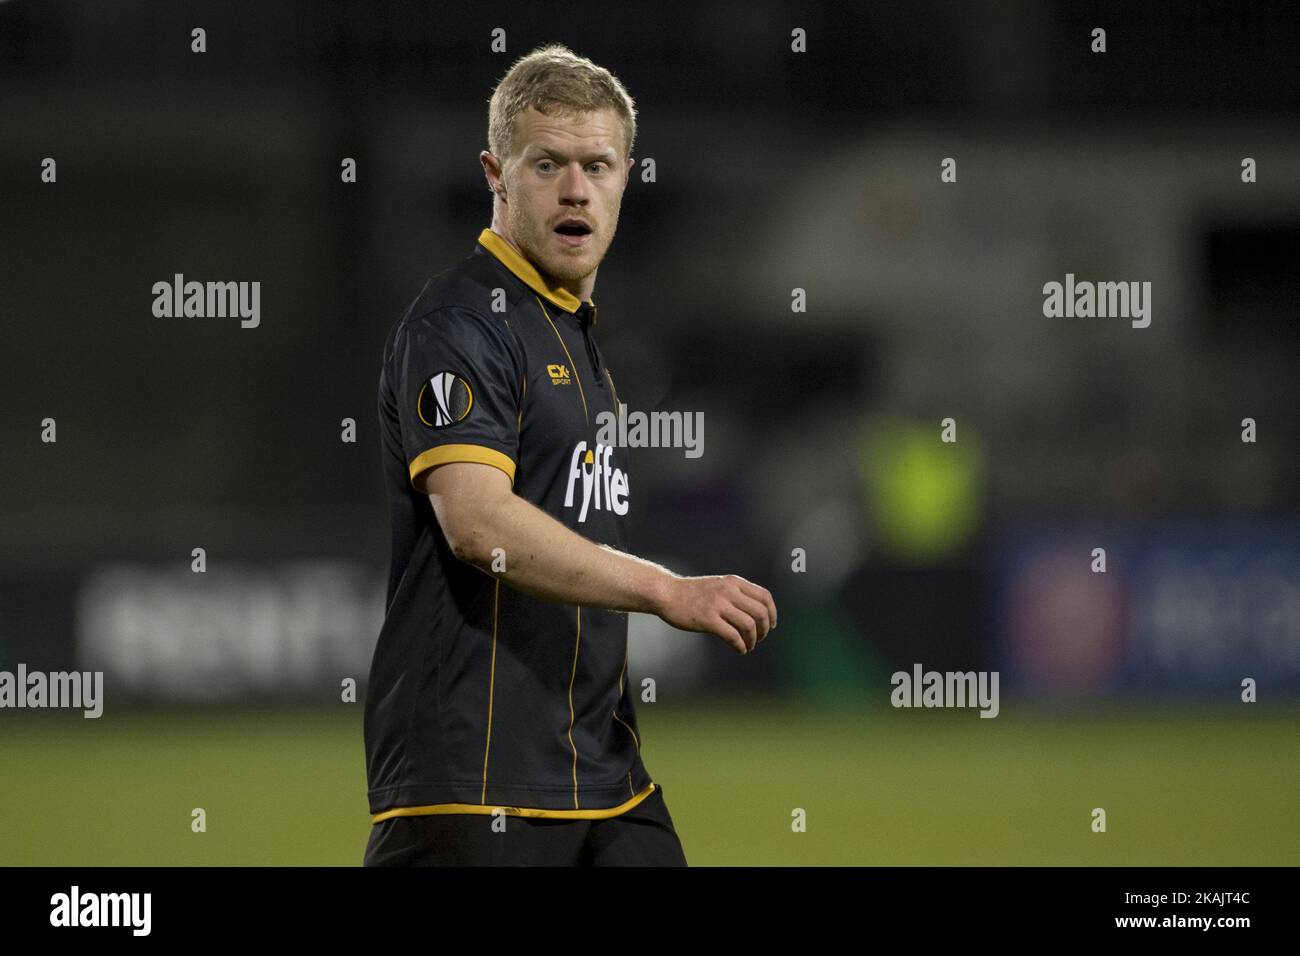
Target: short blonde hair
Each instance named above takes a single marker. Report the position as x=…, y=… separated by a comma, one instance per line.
x=556, y=81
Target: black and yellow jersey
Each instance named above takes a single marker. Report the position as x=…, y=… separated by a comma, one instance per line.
x=480, y=696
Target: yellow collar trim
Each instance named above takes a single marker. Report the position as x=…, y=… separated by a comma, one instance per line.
x=527, y=273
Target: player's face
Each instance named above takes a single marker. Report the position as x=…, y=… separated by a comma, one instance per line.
x=565, y=169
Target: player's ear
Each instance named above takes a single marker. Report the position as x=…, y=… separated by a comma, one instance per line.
x=491, y=169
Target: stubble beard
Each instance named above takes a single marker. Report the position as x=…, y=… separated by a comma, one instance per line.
x=534, y=239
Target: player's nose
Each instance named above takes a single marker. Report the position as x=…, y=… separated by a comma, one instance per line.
x=573, y=185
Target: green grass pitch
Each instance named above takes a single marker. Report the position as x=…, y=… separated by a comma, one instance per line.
x=879, y=787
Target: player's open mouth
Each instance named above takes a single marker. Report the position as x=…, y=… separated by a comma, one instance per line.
x=573, y=232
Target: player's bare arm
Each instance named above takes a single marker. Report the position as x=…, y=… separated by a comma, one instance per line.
x=479, y=513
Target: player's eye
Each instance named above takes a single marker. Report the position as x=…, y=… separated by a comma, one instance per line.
x=598, y=167
x=545, y=163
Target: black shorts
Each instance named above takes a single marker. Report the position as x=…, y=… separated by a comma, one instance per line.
x=642, y=836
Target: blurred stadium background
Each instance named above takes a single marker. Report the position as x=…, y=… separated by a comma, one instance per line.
x=774, y=171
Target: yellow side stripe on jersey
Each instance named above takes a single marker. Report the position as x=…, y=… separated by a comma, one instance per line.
x=620, y=700
x=515, y=811
x=577, y=644
x=492, y=684
x=444, y=454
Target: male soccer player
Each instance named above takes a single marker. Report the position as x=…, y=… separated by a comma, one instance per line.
x=498, y=726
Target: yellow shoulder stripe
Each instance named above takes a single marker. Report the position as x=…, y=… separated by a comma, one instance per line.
x=443, y=454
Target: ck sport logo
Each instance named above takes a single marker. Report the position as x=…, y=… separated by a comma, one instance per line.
x=444, y=399
x=602, y=487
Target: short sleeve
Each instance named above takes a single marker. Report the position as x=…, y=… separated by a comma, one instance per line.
x=457, y=385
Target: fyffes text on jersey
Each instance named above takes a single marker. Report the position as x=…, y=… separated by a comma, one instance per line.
x=602, y=487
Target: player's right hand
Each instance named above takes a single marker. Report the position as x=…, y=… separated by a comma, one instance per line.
x=738, y=611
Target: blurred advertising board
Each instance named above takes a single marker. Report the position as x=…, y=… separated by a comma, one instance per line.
x=1188, y=609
